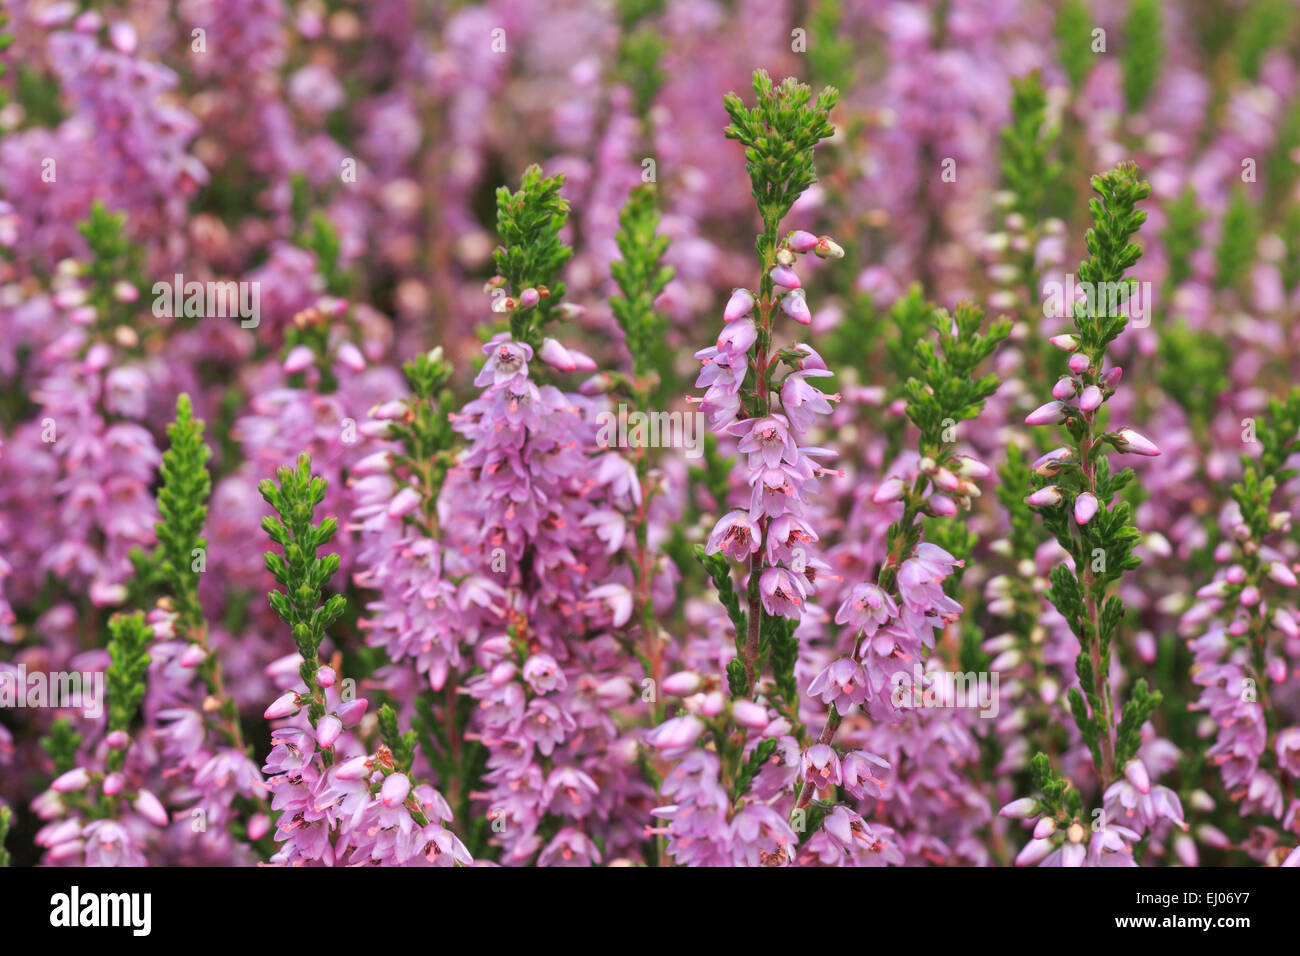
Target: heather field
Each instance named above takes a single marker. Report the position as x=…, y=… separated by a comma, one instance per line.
x=666, y=433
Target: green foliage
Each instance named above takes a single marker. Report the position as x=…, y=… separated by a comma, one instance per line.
x=6, y=815
x=831, y=52
x=61, y=744
x=955, y=536
x=1278, y=434
x=777, y=641
x=1143, y=51
x=944, y=390
x=1180, y=235
x=1140, y=705
x=1058, y=797
x=425, y=433
x=1013, y=487
x=747, y=772
x=182, y=510
x=1263, y=25
x=1074, y=25
x=114, y=258
x=402, y=745
x=1193, y=370
x=300, y=570
x=641, y=277
x=1116, y=221
x=1236, y=249
x=128, y=648
x=532, y=253
x=322, y=238
x=779, y=134
x=641, y=48
x=719, y=571
x=1028, y=143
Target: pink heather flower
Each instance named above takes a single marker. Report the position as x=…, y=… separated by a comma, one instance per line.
x=795, y=305
x=556, y=355
x=785, y=276
x=735, y=534
x=746, y=713
x=71, y=781
x=1066, y=343
x=820, y=766
x=828, y=248
x=149, y=807
x=736, y=339
x=394, y=791
x=1091, y=398
x=800, y=241
x=942, y=505
x=767, y=441
x=1136, y=772
x=1085, y=507
x=864, y=774
x=1279, y=572
x=404, y=502
x=682, y=684
x=675, y=734
x=891, y=489
x=1044, y=497
x=350, y=357
x=299, y=359
x=506, y=360
x=285, y=705
x=867, y=608
x=843, y=683
x=1127, y=440
x=739, y=305
x=1052, y=413
x=782, y=593
x=1287, y=748
x=1078, y=363
x=1064, y=389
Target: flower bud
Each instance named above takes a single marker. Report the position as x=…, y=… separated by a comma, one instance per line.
x=299, y=359
x=1053, y=413
x=1044, y=497
x=1085, y=506
x=286, y=705
x=149, y=807
x=394, y=790
x=796, y=306
x=739, y=305
x=1131, y=442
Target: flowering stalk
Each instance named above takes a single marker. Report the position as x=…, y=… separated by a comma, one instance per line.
x=334, y=796
x=112, y=827
x=641, y=276
x=1242, y=624
x=896, y=615
x=779, y=134
x=1077, y=488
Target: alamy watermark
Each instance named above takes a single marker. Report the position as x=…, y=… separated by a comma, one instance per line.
x=1130, y=299
x=624, y=429
x=222, y=300
x=968, y=689
x=78, y=690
